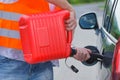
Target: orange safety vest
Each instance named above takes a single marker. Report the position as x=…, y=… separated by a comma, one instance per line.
x=10, y=12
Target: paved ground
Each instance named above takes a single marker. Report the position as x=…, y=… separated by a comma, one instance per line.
x=86, y=8
x=81, y=39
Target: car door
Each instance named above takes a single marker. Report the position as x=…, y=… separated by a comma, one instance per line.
x=107, y=34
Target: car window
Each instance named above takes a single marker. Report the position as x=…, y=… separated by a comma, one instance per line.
x=109, y=16
x=115, y=31
x=106, y=15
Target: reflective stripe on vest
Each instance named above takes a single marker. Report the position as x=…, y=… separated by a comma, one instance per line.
x=9, y=33
x=8, y=1
x=9, y=15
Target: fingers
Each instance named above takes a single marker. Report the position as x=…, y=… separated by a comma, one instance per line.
x=86, y=57
x=71, y=23
x=83, y=54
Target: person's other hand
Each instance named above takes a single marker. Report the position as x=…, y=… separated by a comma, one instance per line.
x=82, y=54
x=71, y=23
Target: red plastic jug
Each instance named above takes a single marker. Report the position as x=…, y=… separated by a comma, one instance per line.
x=44, y=36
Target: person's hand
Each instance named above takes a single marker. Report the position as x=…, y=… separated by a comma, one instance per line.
x=82, y=54
x=71, y=23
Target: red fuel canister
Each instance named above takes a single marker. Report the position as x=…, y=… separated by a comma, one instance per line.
x=44, y=36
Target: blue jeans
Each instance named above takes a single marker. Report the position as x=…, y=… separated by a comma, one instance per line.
x=18, y=70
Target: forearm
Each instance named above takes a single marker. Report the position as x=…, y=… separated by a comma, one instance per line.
x=64, y=4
